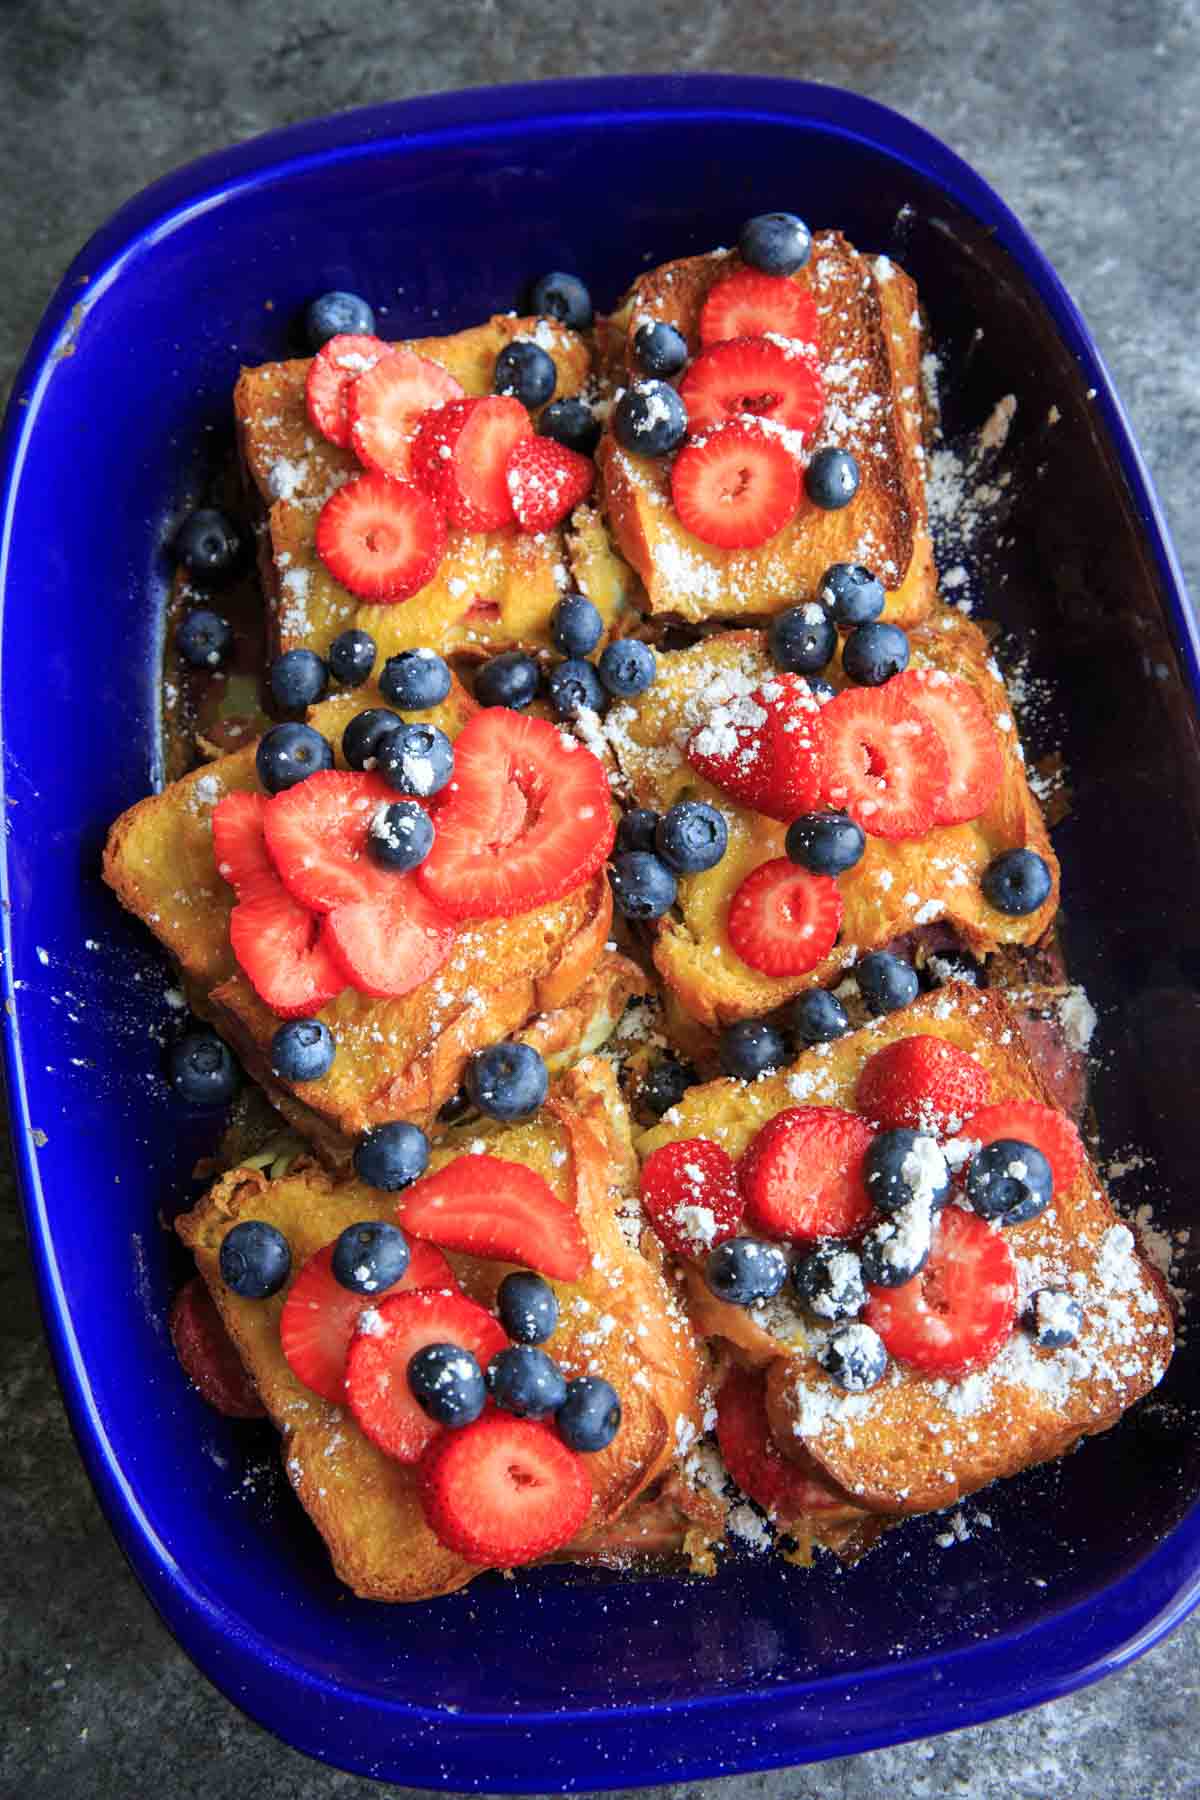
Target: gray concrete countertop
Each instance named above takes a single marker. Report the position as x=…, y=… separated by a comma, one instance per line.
x=1083, y=113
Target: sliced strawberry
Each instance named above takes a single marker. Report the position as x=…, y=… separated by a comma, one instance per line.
x=481, y=454
x=490, y=859
x=331, y=375
x=884, y=763
x=382, y=539
x=434, y=466
x=731, y=748
x=921, y=1082
x=385, y=406
x=280, y=949
x=488, y=1206
x=391, y=942
x=786, y=1489
x=735, y=487
x=316, y=834
x=769, y=378
x=802, y=1175
x=749, y=303
x=955, y=1315
x=239, y=845
x=784, y=921
x=973, y=752
x=691, y=1195
x=1047, y=1129
x=764, y=748
x=386, y=1339
x=206, y=1350
x=546, y=482
x=320, y=1316
x=504, y=1491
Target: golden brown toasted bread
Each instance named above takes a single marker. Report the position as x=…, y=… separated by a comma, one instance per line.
x=870, y=345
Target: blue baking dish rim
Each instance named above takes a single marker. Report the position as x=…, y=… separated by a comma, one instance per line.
x=740, y=1729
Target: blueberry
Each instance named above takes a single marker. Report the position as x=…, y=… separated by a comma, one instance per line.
x=637, y=829
x=873, y=653
x=400, y=836
x=751, y=1048
x=209, y=546
x=573, y=685
x=391, y=1157
x=562, y=297
x=507, y=1081
x=901, y=1166
x=302, y=1050
x=255, y=1259
x=525, y=1381
x=831, y=479
x=415, y=680
x=571, y=423
x=643, y=886
x=829, y=1281
x=364, y=734
x=742, y=1270
x=1055, y=1318
x=855, y=1357
x=817, y=1017
x=803, y=639
x=897, y=1249
x=665, y=1084
x=852, y=594
x=590, y=1416
x=1016, y=882
x=778, y=243
x=202, y=1069
x=941, y=966
x=298, y=679
x=576, y=626
x=1010, y=1181
x=416, y=759
x=659, y=349
x=526, y=371
x=528, y=1307
x=691, y=836
x=337, y=314
x=203, y=638
x=649, y=419
x=627, y=667
x=352, y=657
x=290, y=753
x=371, y=1256
x=825, y=843
x=448, y=1384
x=510, y=679
x=886, y=982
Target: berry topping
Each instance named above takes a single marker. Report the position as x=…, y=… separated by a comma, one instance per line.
x=664, y=1085
x=886, y=982
x=302, y=1050
x=690, y=1195
x=735, y=487
x=528, y=1307
x=487, y=433
x=691, y=837
x=204, y=638
x=415, y=680
x=590, y=1417
x=1049, y=1130
x=742, y=1270
x=525, y=1381
x=391, y=942
x=831, y=479
x=392, y=1156
x=642, y=885
x=922, y=1082
x=817, y=1017
x=372, y=1256
x=574, y=685
x=208, y=1355
x=331, y=375
x=562, y=297
x=765, y=749
x=386, y=405
x=903, y=1166
x=546, y=482
x=751, y=303
x=955, y=1315
x=785, y=1489
x=571, y=423
x=316, y=835
x=1017, y=882
x=884, y=763
x=507, y=1081
x=364, y=733
x=255, y=1259
x=853, y=595
x=650, y=419
x=337, y=314
x=487, y=1206
x=447, y=1383
x=659, y=350
x=638, y=829
x=416, y=759
x=576, y=626
x=209, y=546
x=627, y=667
x=1010, y=1181
x=750, y=1048
x=802, y=1175
x=352, y=657
x=802, y=638
x=322, y=1311
x=756, y=378
x=504, y=1491
x=387, y=1338
x=855, y=1358
x=784, y=921
x=289, y=754
x=825, y=843
x=202, y=1070
x=972, y=746
x=382, y=539
x=526, y=372
x=400, y=836
x=875, y=653
x=282, y=950
x=510, y=679
x=829, y=1281
x=779, y=243
x=1055, y=1319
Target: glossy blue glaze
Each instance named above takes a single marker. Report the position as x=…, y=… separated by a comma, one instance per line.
x=439, y=210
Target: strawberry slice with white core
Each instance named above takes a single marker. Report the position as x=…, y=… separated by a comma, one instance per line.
x=386, y=404
x=239, y=844
x=387, y=1337
x=736, y=486
x=1029, y=1122
x=331, y=375
x=973, y=752
x=490, y=858
x=546, y=482
x=503, y=1491
x=316, y=834
x=275, y=939
x=382, y=539
x=320, y=1316
x=491, y=1207
x=751, y=303
x=884, y=763
x=391, y=942
x=802, y=1175
x=960, y=1310
x=783, y=920
x=769, y=378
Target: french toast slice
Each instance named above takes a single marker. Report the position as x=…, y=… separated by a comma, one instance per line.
x=899, y=883
x=620, y=1321
x=917, y=1443
x=871, y=342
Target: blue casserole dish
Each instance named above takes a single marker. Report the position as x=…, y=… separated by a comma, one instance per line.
x=441, y=209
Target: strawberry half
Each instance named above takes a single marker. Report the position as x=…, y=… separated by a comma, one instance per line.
x=239, y=844
x=958, y=715
x=385, y=406
x=768, y=378
x=386, y=1339
x=764, y=749
x=503, y=1491
x=382, y=539
x=735, y=487
x=802, y=1175
x=488, y=1206
x=481, y=454
x=750, y=303
x=921, y=1082
x=691, y=1196
x=785, y=1489
x=1047, y=1129
x=784, y=921
x=320, y=1316
x=523, y=821
x=391, y=942
x=331, y=375
x=546, y=482
x=883, y=761
x=206, y=1350
x=955, y=1315
x=316, y=834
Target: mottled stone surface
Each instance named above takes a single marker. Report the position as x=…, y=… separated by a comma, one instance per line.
x=1083, y=115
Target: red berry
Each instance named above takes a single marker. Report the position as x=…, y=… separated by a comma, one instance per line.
x=1047, y=1129
x=784, y=921
x=921, y=1082
x=504, y=1491
x=320, y=1316
x=433, y=463
x=762, y=377
x=764, y=750
x=884, y=763
x=546, y=482
x=331, y=375
x=802, y=1176
x=316, y=835
x=749, y=303
x=386, y=405
x=276, y=940
x=735, y=487
x=391, y=942
x=681, y=1184
x=957, y=1313
x=382, y=539
x=239, y=845
x=385, y=1341
x=487, y=1206
x=206, y=1350
x=785, y=1489
x=958, y=715
x=481, y=453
